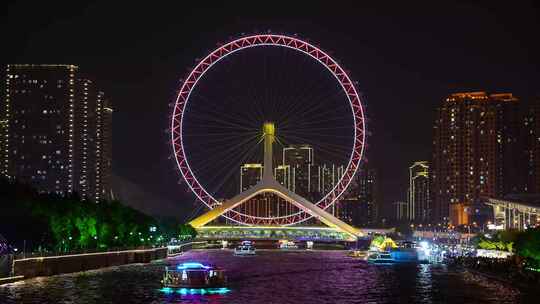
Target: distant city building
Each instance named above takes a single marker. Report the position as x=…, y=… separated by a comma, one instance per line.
x=300, y=160
x=419, y=200
x=265, y=205
x=282, y=173
x=348, y=207
x=3, y=144
x=368, y=196
x=474, y=152
x=250, y=175
x=53, y=139
x=401, y=211
x=327, y=177
x=531, y=144
x=104, y=132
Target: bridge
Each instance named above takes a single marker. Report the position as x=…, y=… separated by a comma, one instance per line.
x=335, y=228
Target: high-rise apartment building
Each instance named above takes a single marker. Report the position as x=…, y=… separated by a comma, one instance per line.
x=368, y=196
x=103, y=166
x=300, y=160
x=52, y=131
x=531, y=143
x=419, y=196
x=474, y=150
x=40, y=112
x=3, y=143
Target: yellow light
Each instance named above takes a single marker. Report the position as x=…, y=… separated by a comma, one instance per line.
x=269, y=128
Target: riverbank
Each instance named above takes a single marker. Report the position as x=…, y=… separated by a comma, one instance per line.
x=505, y=271
x=53, y=265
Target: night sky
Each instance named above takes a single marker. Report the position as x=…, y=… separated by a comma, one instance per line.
x=406, y=59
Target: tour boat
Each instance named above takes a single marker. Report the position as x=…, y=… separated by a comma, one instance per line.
x=395, y=255
x=383, y=257
x=246, y=248
x=193, y=275
x=357, y=253
x=285, y=244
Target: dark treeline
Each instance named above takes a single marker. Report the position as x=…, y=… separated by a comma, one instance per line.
x=51, y=222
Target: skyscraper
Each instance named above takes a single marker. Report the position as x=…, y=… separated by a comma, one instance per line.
x=419, y=200
x=103, y=148
x=52, y=130
x=401, y=211
x=475, y=136
x=3, y=143
x=531, y=144
x=282, y=174
x=299, y=158
x=40, y=111
x=250, y=175
x=368, y=196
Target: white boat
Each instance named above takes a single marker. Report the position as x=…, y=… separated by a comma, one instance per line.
x=383, y=258
x=246, y=248
x=285, y=244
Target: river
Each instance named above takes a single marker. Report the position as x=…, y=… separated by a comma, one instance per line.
x=271, y=277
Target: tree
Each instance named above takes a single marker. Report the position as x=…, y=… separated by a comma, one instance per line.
x=186, y=231
x=528, y=246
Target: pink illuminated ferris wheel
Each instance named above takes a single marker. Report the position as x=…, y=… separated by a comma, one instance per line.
x=341, y=80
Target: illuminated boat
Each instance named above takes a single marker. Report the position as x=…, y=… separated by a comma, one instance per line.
x=193, y=275
x=357, y=254
x=382, y=257
x=285, y=244
x=246, y=248
x=396, y=255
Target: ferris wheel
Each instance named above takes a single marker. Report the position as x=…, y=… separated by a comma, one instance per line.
x=341, y=81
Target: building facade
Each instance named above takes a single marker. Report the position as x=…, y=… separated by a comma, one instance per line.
x=40, y=111
x=51, y=131
x=250, y=175
x=474, y=152
x=401, y=211
x=368, y=197
x=300, y=160
x=531, y=142
x=419, y=195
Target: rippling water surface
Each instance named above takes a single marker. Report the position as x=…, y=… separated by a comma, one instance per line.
x=271, y=277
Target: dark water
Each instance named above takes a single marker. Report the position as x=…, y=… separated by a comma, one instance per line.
x=272, y=277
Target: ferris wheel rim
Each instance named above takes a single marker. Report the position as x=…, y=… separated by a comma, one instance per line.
x=252, y=41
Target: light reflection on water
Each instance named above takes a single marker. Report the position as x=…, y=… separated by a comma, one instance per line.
x=270, y=277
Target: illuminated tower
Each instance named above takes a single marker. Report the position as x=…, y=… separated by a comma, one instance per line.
x=368, y=196
x=299, y=159
x=474, y=150
x=419, y=206
x=102, y=150
x=40, y=131
x=3, y=144
x=531, y=135
x=57, y=131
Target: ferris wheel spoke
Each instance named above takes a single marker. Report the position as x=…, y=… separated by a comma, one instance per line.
x=220, y=128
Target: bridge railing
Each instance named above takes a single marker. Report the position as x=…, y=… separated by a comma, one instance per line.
x=39, y=254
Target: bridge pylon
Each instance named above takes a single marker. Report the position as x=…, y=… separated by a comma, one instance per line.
x=268, y=184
